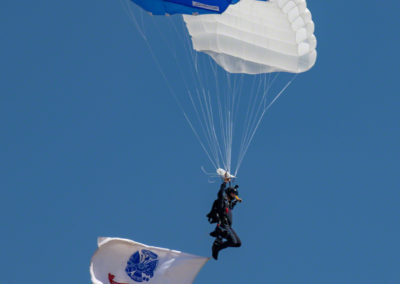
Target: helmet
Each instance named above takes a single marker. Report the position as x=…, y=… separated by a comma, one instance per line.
x=233, y=190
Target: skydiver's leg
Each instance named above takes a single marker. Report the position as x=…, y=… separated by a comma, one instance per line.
x=232, y=240
x=216, y=247
x=216, y=232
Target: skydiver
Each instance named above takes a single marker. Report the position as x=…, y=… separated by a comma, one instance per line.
x=227, y=199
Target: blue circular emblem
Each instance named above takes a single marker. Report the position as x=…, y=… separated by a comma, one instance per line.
x=141, y=265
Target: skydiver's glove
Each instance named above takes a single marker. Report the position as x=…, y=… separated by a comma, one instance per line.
x=226, y=177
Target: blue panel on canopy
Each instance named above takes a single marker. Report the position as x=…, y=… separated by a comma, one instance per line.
x=162, y=7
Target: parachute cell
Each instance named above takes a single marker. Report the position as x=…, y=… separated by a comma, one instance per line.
x=257, y=36
x=163, y=7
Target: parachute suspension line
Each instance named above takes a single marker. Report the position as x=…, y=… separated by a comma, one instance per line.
x=213, y=67
x=268, y=84
x=201, y=124
x=204, y=101
x=235, y=109
x=225, y=130
x=260, y=118
x=233, y=96
x=234, y=81
x=253, y=115
x=128, y=9
x=227, y=126
x=250, y=108
x=212, y=124
x=233, y=103
x=205, y=104
x=260, y=97
x=223, y=113
x=252, y=101
x=257, y=113
x=220, y=113
x=171, y=90
x=206, y=113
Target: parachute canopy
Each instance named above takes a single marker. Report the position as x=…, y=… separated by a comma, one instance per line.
x=163, y=7
x=256, y=37
x=259, y=45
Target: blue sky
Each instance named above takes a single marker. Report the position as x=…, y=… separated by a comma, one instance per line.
x=92, y=144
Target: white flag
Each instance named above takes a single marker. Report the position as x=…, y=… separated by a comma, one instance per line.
x=123, y=261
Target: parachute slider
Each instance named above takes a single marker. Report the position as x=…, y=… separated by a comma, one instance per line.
x=225, y=175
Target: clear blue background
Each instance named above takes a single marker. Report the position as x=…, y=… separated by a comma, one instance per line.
x=92, y=144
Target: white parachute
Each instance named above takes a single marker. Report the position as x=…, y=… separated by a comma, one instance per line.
x=224, y=174
x=255, y=36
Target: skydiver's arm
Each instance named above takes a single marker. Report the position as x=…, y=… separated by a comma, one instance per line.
x=221, y=191
x=221, y=199
x=233, y=203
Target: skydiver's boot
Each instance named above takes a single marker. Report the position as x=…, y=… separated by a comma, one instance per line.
x=216, y=233
x=216, y=247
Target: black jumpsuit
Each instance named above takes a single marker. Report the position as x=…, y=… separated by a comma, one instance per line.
x=225, y=225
